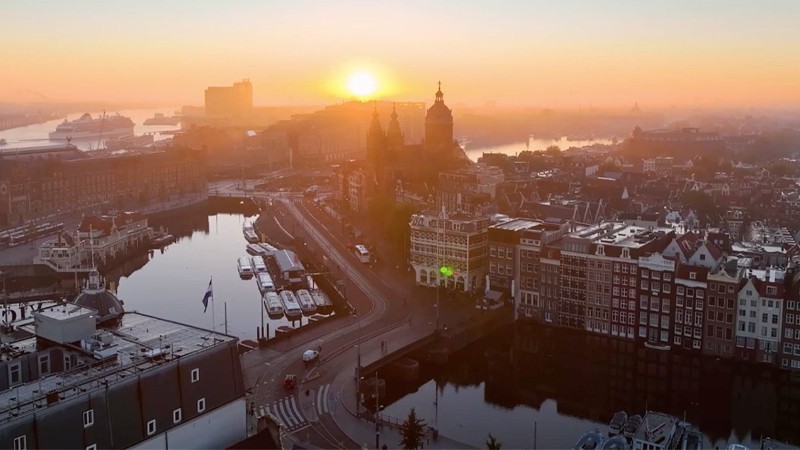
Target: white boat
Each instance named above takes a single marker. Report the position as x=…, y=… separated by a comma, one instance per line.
x=265, y=283
x=161, y=119
x=250, y=233
x=88, y=128
x=245, y=267
x=323, y=302
x=307, y=304
x=268, y=248
x=273, y=305
x=128, y=142
x=259, y=265
x=290, y=305
x=255, y=249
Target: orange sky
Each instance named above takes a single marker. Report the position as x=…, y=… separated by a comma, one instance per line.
x=554, y=54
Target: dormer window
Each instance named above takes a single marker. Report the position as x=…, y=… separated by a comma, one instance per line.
x=692, y=275
x=600, y=251
x=626, y=253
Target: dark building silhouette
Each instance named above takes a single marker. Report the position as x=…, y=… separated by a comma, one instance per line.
x=438, y=125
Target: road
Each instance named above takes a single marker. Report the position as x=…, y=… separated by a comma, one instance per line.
x=340, y=344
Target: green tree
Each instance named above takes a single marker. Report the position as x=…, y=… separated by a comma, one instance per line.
x=412, y=430
x=492, y=443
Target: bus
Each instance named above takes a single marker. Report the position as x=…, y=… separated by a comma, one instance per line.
x=361, y=253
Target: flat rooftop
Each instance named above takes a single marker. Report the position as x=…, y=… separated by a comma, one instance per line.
x=138, y=343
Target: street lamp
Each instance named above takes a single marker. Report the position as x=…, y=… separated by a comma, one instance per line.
x=378, y=408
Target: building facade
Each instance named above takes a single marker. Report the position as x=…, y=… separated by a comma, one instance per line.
x=458, y=242
x=42, y=187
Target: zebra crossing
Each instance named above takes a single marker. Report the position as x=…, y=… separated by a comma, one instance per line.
x=288, y=412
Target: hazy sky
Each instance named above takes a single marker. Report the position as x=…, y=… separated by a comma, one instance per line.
x=546, y=53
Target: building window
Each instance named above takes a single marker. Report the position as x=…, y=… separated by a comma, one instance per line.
x=14, y=374
x=88, y=418
x=772, y=290
x=151, y=427
x=195, y=375
x=692, y=275
x=67, y=363
x=44, y=364
x=176, y=416
x=201, y=405
x=21, y=442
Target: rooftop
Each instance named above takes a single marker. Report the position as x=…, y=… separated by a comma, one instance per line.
x=138, y=343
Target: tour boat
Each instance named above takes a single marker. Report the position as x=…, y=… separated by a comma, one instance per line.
x=245, y=268
x=307, y=304
x=290, y=305
x=273, y=305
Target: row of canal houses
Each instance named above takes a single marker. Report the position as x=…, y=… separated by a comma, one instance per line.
x=664, y=287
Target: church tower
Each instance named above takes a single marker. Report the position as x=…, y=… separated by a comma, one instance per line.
x=394, y=135
x=438, y=124
x=376, y=141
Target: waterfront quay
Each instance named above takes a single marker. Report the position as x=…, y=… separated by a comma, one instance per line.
x=390, y=320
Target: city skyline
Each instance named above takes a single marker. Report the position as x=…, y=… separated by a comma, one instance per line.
x=681, y=53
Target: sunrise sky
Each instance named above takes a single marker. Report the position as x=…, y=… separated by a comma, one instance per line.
x=540, y=53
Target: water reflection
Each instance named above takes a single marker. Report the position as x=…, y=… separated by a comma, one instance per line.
x=568, y=383
x=171, y=282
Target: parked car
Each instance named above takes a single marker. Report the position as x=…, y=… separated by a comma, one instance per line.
x=310, y=356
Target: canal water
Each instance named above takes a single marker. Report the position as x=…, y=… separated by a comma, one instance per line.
x=523, y=383
x=171, y=283
x=552, y=385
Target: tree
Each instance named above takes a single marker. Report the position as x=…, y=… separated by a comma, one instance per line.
x=492, y=443
x=412, y=431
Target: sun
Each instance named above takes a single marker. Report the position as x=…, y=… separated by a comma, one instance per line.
x=361, y=84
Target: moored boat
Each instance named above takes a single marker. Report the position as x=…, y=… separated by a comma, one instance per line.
x=86, y=127
x=259, y=265
x=633, y=424
x=307, y=304
x=265, y=283
x=273, y=305
x=323, y=302
x=162, y=240
x=250, y=233
x=290, y=305
x=245, y=267
x=255, y=249
x=617, y=423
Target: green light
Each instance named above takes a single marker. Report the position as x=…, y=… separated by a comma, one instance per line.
x=446, y=271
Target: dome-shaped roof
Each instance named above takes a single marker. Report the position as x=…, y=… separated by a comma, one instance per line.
x=96, y=297
x=439, y=112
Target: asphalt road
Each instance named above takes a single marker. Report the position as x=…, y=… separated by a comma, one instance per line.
x=383, y=298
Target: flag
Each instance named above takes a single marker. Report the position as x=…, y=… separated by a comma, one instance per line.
x=209, y=296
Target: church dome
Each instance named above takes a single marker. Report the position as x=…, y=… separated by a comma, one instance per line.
x=96, y=297
x=439, y=112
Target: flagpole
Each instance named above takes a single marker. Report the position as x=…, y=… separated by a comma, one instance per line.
x=213, y=316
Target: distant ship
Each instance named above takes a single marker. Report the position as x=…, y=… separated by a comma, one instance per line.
x=161, y=119
x=126, y=142
x=88, y=128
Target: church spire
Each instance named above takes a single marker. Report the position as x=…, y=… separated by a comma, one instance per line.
x=375, y=138
x=439, y=94
x=394, y=135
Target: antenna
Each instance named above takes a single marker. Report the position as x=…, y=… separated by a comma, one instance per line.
x=91, y=244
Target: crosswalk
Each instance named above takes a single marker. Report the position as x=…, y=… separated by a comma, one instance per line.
x=288, y=412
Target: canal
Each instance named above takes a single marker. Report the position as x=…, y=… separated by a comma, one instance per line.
x=524, y=384
x=553, y=384
x=171, y=282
